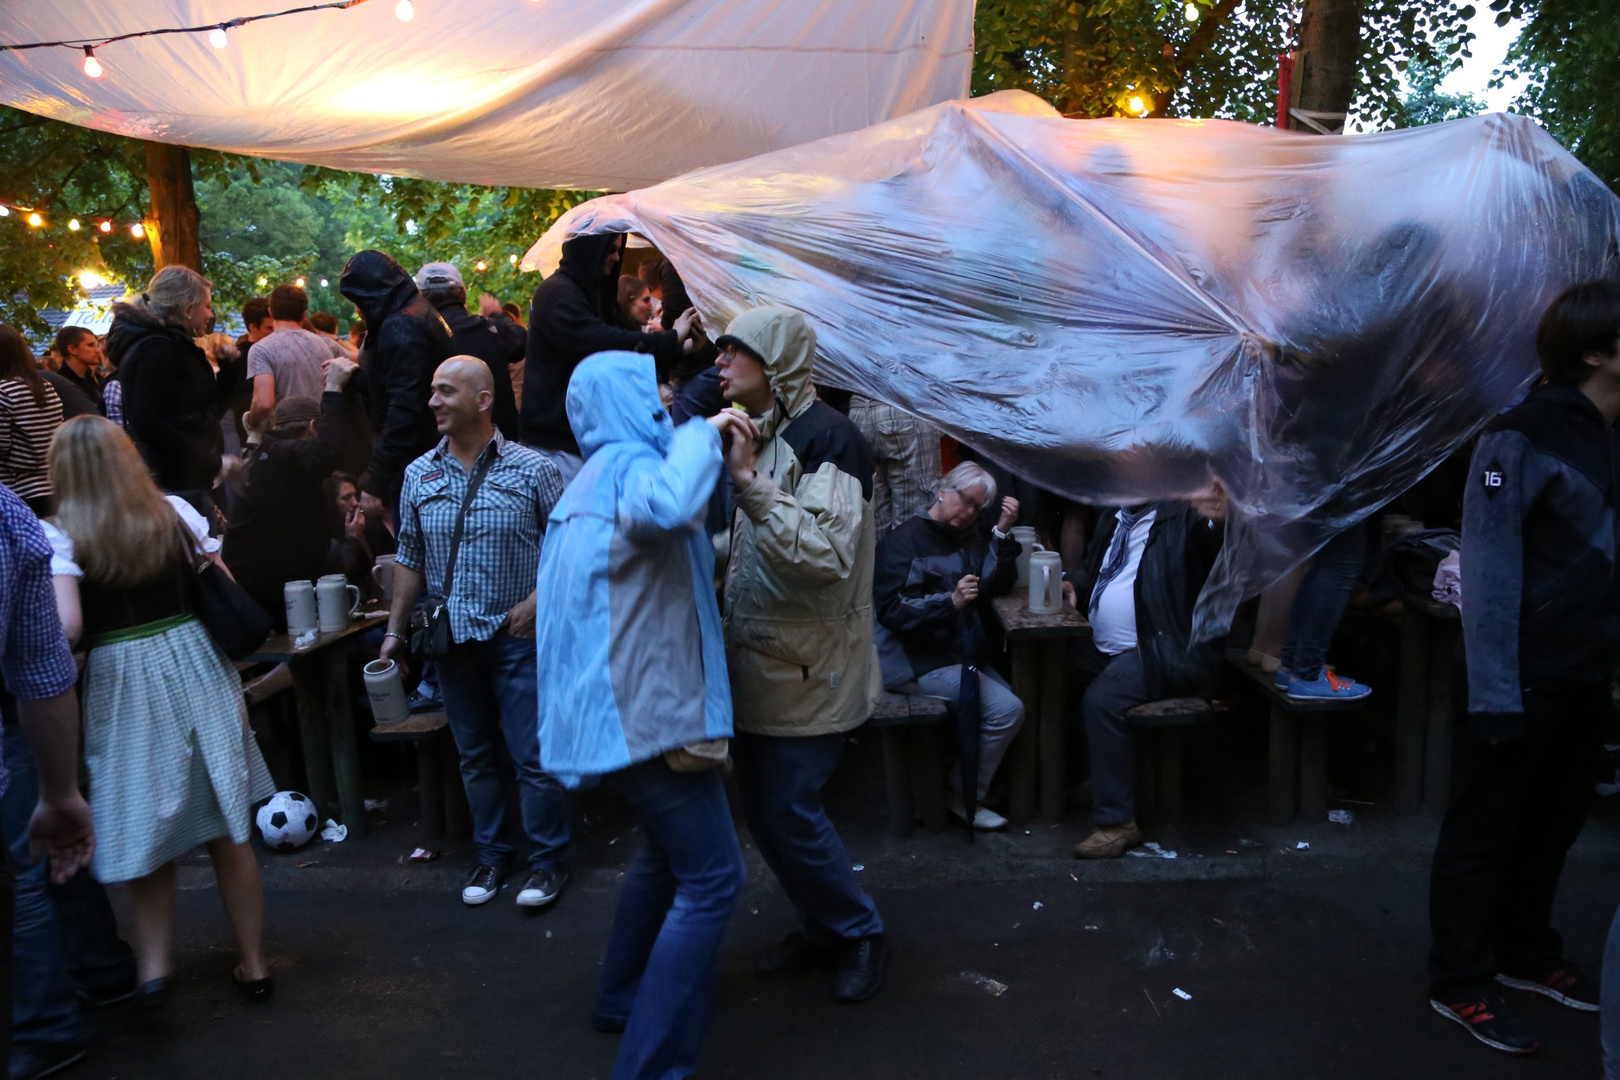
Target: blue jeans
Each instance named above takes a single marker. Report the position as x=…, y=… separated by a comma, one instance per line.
x=661, y=963
x=44, y=1009
x=1109, y=687
x=490, y=696
x=1321, y=600
x=779, y=782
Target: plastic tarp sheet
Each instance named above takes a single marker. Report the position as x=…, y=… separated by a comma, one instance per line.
x=1127, y=309
x=592, y=94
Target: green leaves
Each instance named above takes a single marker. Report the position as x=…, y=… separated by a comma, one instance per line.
x=1567, y=53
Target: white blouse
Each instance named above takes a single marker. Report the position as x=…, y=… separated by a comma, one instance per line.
x=62, y=564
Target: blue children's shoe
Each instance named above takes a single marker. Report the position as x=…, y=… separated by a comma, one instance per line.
x=1328, y=686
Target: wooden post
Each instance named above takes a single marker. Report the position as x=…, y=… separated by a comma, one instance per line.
x=897, y=780
x=1168, y=752
x=343, y=747
x=1053, y=741
x=1283, y=794
x=1323, y=80
x=1411, y=711
x=1025, y=750
x=929, y=777
x=1313, y=769
x=430, y=787
x=172, y=226
x=312, y=732
x=457, y=814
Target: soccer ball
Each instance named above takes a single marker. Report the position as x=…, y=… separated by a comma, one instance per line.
x=287, y=821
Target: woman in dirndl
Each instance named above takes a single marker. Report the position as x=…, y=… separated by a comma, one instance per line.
x=172, y=761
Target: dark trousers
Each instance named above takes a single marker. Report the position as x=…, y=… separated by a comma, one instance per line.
x=1107, y=687
x=1319, y=605
x=490, y=701
x=1517, y=810
x=44, y=1007
x=779, y=782
x=663, y=957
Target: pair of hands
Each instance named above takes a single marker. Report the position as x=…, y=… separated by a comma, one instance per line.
x=967, y=589
x=738, y=433
x=519, y=623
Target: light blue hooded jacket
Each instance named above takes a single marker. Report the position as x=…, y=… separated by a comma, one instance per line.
x=632, y=661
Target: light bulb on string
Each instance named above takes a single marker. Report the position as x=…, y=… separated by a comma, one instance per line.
x=512, y=259
x=403, y=11
x=480, y=266
x=299, y=282
x=263, y=282
x=323, y=283
x=1136, y=105
x=1191, y=11
x=92, y=66
x=5, y=211
x=105, y=226
x=73, y=225
x=137, y=230
x=217, y=38
x=35, y=220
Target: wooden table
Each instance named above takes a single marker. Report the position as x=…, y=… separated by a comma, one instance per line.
x=1423, y=707
x=1040, y=670
x=325, y=718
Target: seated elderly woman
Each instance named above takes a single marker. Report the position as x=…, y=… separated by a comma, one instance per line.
x=928, y=570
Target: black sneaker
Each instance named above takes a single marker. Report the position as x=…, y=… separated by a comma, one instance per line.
x=482, y=885
x=542, y=888
x=1563, y=982
x=1488, y=1019
x=860, y=969
x=791, y=955
x=100, y=997
x=31, y=1061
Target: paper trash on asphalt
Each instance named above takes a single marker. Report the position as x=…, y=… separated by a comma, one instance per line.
x=1182, y=994
x=984, y=982
x=1341, y=817
x=333, y=833
x=1151, y=850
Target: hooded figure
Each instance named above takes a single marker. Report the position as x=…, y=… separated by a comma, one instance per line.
x=631, y=659
x=570, y=321
x=406, y=340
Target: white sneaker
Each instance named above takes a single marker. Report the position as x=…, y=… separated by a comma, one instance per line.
x=984, y=818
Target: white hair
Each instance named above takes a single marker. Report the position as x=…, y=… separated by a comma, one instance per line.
x=968, y=475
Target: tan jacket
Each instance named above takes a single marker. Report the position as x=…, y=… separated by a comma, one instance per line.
x=798, y=615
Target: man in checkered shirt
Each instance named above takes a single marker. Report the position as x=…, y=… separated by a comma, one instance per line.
x=38, y=670
x=488, y=677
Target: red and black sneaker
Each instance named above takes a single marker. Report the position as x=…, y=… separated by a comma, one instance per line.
x=1563, y=982
x=1488, y=1019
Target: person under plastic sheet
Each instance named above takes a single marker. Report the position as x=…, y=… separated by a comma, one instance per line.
x=927, y=571
x=1143, y=572
x=1541, y=633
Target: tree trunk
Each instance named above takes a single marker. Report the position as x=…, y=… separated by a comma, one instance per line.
x=171, y=227
x=1325, y=67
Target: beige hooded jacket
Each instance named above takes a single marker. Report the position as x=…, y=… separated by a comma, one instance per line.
x=798, y=611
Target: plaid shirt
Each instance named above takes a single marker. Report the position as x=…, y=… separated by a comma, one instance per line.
x=112, y=398
x=500, y=546
x=34, y=657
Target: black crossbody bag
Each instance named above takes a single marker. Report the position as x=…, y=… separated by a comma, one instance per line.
x=431, y=636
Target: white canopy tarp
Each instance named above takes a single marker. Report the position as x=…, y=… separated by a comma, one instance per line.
x=1123, y=309
x=588, y=94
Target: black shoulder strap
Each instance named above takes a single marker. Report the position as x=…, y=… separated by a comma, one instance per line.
x=473, y=484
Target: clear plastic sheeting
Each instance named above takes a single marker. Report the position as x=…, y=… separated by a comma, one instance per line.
x=590, y=94
x=1123, y=309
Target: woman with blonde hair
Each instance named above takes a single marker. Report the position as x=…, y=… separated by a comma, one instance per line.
x=172, y=761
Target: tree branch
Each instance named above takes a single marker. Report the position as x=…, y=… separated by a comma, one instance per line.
x=1195, y=47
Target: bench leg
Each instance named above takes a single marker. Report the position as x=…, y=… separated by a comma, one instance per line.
x=1025, y=750
x=345, y=749
x=1313, y=770
x=929, y=777
x=313, y=734
x=1147, y=777
x=430, y=788
x=1283, y=792
x=457, y=814
x=1053, y=748
x=1167, y=749
x=1437, y=751
x=1411, y=709
x=897, y=781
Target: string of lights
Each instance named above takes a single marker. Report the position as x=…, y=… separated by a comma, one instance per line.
x=36, y=220
x=217, y=33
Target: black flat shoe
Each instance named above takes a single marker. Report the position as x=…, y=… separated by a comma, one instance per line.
x=255, y=991
x=152, y=995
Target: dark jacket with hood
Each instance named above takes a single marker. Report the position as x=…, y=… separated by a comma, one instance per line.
x=1541, y=605
x=918, y=566
x=172, y=398
x=498, y=343
x=1181, y=549
x=406, y=340
x=281, y=527
x=570, y=321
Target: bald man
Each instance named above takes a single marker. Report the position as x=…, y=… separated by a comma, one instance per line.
x=482, y=581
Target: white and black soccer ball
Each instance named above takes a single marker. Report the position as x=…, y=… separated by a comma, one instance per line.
x=287, y=821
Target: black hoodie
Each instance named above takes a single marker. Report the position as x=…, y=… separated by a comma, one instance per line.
x=567, y=323
x=406, y=340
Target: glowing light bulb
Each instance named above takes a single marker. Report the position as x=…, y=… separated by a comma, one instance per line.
x=105, y=226
x=403, y=11
x=299, y=282
x=263, y=282
x=92, y=66
x=35, y=220
x=1136, y=105
x=1191, y=11
x=512, y=259
x=137, y=230
x=91, y=280
x=480, y=266
x=73, y=225
x=5, y=211
x=323, y=283
x=217, y=38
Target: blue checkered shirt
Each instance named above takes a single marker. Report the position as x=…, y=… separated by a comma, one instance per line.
x=500, y=547
x=34, y=657
x=112, y=398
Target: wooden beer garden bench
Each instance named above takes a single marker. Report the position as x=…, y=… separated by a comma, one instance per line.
x=443, y=803
x=1160, y=725
x=913, y=769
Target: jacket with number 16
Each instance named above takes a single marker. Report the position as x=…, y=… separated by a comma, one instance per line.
x=798, y=616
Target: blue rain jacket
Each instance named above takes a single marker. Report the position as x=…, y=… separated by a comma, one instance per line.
x=632, y=661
